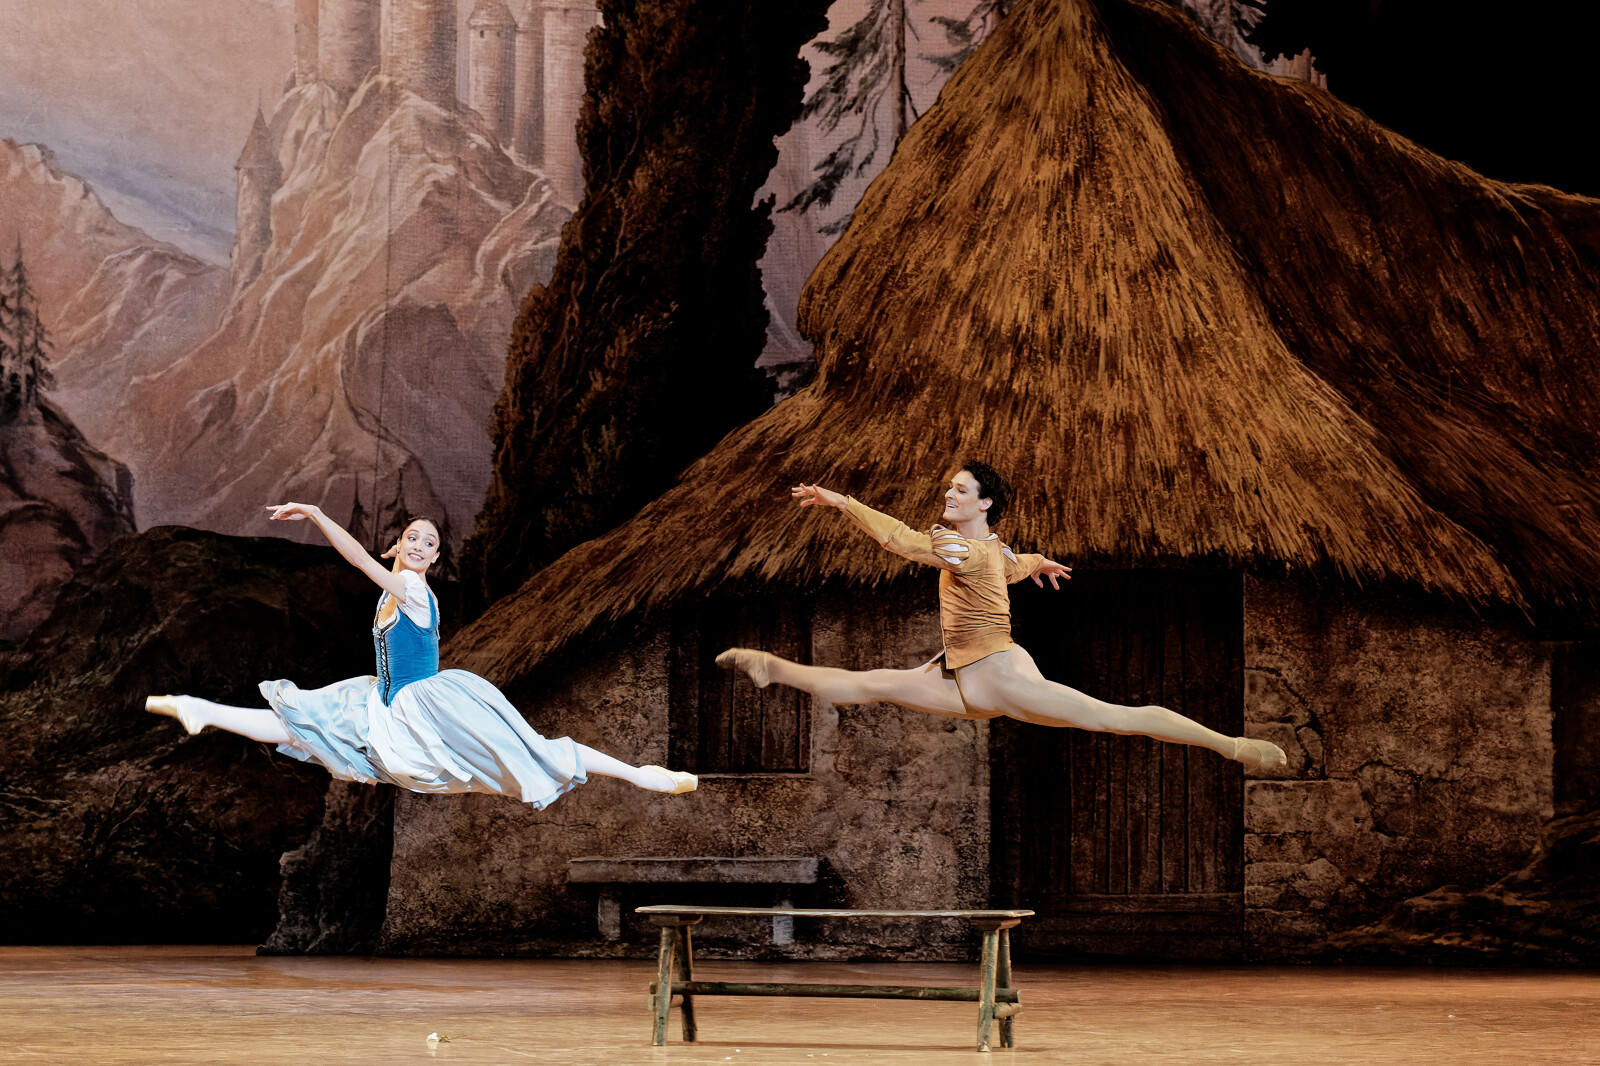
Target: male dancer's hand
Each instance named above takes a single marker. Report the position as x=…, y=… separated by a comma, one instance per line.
x=817, y=496
x=1052, y=570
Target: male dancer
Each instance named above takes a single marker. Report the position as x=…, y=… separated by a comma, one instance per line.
x=981, y=673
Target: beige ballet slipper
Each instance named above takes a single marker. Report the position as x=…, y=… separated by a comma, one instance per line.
x=169, y=706
x=752, y=662
x=681, y=782
x=1259, y=754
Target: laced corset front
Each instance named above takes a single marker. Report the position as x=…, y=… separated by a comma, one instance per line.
x=405, y=651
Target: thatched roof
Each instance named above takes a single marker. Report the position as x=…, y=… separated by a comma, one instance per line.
x=1335, y=351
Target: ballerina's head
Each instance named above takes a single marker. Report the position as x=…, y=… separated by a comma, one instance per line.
x=417, y=547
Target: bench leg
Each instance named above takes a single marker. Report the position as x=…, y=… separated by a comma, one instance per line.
x=686, y=953
x=991, y=938
x=1002, y=979
x=663, y=996
x=782, y=924
x=608, y=915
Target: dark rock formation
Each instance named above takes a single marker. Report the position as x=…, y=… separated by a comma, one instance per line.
x=1545, y=914
x=61, y=500
x=640, y=352
x=336, y=885
x=118, y=826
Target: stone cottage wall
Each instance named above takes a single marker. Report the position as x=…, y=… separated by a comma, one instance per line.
x=895, y=803
x=1420, y=750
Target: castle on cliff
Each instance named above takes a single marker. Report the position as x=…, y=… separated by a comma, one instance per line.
x=524, y=70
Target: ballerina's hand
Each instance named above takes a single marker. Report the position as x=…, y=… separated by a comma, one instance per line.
x=816, y=496
x=291, y=512
x=1054, y=571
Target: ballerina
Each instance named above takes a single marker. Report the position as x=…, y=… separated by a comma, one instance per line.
x=980, y=674
x=412, y=725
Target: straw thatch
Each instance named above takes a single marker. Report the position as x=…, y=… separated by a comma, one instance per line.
x=1358, y=363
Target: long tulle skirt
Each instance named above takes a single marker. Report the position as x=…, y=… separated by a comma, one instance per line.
x=452, y=732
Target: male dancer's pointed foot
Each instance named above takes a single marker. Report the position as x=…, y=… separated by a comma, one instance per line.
x=172, y=707
x=681, y=782
x=749, y=660
x=1259, y=754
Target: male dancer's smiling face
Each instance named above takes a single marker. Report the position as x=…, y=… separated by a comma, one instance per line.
x=961, y=502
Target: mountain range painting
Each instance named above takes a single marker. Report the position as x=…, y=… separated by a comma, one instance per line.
x=1282, y=318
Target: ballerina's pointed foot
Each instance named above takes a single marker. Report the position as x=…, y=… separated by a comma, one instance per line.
x=1259, y=754
x=681, y=782
x=752, y=662
x=173, y=708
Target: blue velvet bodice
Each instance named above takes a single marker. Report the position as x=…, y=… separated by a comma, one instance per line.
x=406, y=652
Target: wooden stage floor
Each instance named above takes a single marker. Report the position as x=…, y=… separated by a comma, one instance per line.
x=64, y=1005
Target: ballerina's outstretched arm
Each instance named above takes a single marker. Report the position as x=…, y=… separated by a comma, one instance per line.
x=346, y=545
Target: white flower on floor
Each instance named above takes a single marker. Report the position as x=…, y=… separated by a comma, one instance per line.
x=435, y=1039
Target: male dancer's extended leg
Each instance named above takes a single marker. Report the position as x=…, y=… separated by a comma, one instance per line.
x=1010, y=683
x=923, y=689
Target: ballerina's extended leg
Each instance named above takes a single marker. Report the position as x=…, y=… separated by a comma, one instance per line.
x=257, y=723
x=650, y=778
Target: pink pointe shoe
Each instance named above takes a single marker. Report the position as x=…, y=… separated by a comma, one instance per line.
x=681, y=782
x=172, y=708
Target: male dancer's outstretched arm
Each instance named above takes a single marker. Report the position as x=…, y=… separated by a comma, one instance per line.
x=943, y=548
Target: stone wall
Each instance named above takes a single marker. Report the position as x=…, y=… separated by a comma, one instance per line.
x=1420, y=754
x=895, y=803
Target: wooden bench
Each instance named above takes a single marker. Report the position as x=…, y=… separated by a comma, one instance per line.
x=780, y=875
x=994, y=994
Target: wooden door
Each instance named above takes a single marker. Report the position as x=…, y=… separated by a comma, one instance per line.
x=1127, y=847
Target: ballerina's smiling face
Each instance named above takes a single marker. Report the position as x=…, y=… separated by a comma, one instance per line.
x=418, y=547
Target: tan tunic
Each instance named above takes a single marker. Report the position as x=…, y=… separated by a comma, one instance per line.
x=974, y=606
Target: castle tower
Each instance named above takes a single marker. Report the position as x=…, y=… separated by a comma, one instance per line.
x=347, y=41
x=491, y=66
x=419, y=47
x=258, y=175
x=305, y=41
x=566, y=29
x=527, y=108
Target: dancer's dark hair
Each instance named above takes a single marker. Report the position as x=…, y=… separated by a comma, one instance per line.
x=413, y=519
x=991, y=487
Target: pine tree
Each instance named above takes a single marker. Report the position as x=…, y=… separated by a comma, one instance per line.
x=866, y=77
x=965, y=34
x=10, y=369
x=24, y=362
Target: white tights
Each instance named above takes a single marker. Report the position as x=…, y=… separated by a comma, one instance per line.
x=259, y=723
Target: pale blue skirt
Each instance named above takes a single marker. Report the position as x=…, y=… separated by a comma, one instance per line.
x=452, y=732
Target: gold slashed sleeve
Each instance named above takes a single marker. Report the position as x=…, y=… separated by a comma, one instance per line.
x=1020, y=567
x=901, y=539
